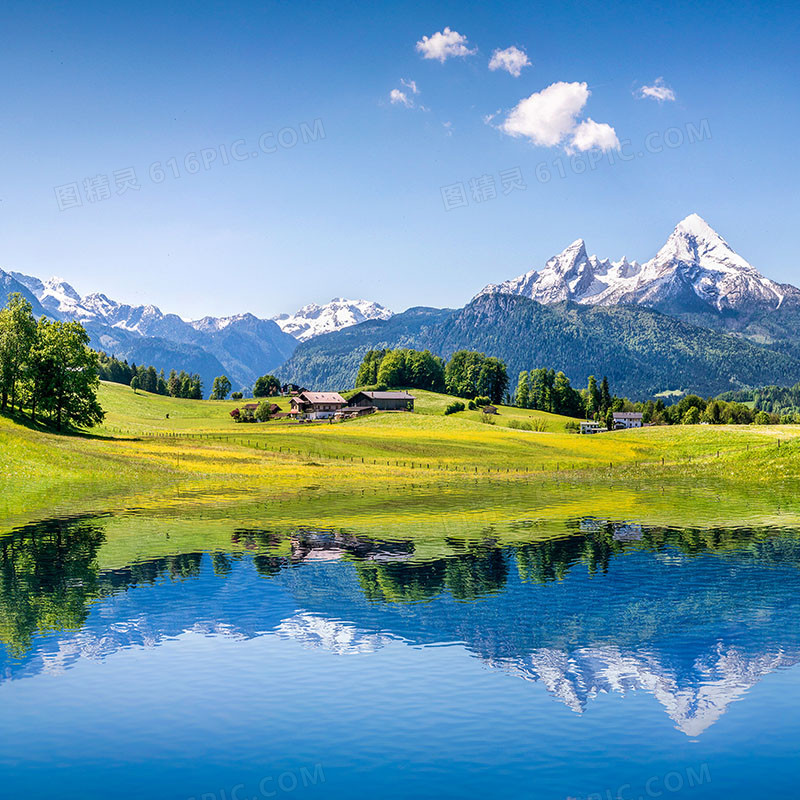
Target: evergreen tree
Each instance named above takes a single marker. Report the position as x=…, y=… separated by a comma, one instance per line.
x=605, y=395
x=522, y=395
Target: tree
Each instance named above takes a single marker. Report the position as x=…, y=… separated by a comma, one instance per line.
x=174, y=384
x=605, y=395
x=63, y=374
x=17, y=334
x=263, y=412
x=762, y=418
x=522, y=395
x=368, y=370
x=266, y=386
x=220, y=388
x=135, y=383
x=594, y=399
x=469, y=373
x=692, y=416
x=392, y=371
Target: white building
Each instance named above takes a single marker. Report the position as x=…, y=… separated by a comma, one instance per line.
x=627, y=419
x=590, y=426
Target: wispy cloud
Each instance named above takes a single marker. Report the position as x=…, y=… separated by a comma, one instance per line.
x=658, y=91
x=399, y=98
x=443, y=45
x=410, y=85
x=512, y=60
x=550, y=117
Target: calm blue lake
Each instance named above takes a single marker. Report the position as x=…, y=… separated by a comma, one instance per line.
x=608, y=661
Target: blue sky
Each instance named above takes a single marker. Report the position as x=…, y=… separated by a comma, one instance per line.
x=97, y=89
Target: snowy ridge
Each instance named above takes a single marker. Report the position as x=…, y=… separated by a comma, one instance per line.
x=693, y=702
x=60, y=299
x=313, y=320
x=696, y=269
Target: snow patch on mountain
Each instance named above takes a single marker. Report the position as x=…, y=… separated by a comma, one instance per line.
x=313, y=320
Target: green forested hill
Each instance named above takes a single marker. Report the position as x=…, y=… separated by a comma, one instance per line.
x=641, y=351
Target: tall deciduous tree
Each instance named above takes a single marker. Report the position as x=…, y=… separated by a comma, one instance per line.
x=266, y=386
x=17, y=334
x=63, y=375
x=220, y=388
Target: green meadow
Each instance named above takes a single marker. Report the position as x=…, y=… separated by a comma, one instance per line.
x=155, y=452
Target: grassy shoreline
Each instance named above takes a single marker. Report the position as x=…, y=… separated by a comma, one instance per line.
x=140, y=456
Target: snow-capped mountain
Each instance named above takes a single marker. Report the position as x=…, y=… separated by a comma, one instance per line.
x=313, y=320
x=695, y=271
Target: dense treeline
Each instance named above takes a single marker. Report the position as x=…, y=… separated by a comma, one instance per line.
x=47, y=368
x=773, y=399
x=403, y=367
x=466, y=374
x=547, y=390
x=179, y=384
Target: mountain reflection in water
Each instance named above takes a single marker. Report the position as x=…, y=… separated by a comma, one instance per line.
x=694, y=617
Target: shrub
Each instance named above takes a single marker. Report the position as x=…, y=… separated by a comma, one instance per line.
x=454, y=407
x=236, y=395
x=471, y=406
x=487, y=419
x=519, y=425
x=572, y=427
x=482, y=401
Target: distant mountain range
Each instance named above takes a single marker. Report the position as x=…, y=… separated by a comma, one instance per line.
x=242, y=346
x=695, y=317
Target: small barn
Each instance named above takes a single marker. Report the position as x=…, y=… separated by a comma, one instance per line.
x=384, y=401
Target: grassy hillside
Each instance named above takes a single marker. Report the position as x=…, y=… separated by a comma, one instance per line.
x=141, y=458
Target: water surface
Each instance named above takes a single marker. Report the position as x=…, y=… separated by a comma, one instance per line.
x=542, y=660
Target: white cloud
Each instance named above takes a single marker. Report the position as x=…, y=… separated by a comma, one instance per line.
x=590, y=135
x=448, y=126
x=658, y=91
x=443, y=45
x=512, y=60
x=409, y=84
x=547, y=117
x=396, y=97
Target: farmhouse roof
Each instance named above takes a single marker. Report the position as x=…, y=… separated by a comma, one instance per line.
x=388, y=395
x=627, y=414
x=323, y=397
